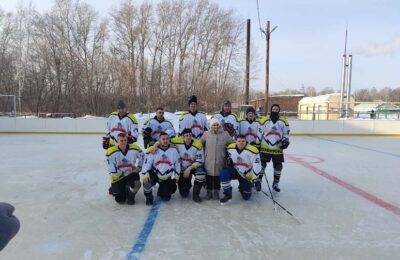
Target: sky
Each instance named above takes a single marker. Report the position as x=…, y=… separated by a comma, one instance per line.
x=306, y=48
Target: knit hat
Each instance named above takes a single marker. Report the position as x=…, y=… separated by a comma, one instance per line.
x=213, y=121
x=120, y=104
x=186, y=131
x=250, y=109
x=192, y=98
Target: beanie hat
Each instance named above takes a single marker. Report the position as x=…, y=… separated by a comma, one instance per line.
x=250, y=109
x=213, y=121
x=186, y=131
x=120, y=104
x=192, y=98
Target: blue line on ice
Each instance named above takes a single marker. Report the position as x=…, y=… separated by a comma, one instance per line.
x=358, y=146
x=141, y=240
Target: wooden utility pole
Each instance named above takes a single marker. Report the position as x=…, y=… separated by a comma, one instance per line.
x=267, y=36
x=247, y=85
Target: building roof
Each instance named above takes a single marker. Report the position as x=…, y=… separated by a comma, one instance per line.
x=318, y=99
x=367, y=106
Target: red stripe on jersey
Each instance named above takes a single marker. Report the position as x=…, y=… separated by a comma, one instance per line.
x=163, y=162
x=118, y=129
x=274, y=133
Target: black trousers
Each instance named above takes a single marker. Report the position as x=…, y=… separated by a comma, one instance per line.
x=165, y=189
x=277, y=159
x=119, y=188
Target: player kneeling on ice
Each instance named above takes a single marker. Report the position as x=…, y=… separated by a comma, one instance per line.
x=124, y=163
x=161, y=166
x=243, y=164
x=192, y=160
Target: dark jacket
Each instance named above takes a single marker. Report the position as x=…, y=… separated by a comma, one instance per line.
x=9, y=224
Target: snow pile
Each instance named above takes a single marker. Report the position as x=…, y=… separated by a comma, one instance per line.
x=27, y=117
x=90, y=117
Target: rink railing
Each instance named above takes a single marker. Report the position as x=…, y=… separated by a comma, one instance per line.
x=12, y=125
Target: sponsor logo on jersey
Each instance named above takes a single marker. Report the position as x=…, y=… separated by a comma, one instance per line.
x=240, y=162
x=196, y=125
x=250, y=132
x=164, y=160
x=273, y=132
x=186, y=157
x=125, y=164
x=118, y=128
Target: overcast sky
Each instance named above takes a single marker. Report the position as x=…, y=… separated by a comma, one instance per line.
x=307, y=46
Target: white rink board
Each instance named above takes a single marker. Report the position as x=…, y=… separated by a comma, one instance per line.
x=69, y=125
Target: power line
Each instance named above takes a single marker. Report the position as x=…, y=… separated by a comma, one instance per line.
x=259, y=20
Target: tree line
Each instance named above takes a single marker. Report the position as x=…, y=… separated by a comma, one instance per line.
x=71, y=59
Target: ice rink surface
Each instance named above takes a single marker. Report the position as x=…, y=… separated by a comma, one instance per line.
x=344, y=190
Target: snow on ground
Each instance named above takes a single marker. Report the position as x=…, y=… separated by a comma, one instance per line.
x=58, y=185
x=91, y=117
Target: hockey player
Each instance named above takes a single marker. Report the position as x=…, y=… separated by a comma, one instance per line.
x=154, y=126
x=124, y=163
x=161, y=166
x=273, y=136
x=228, y=120
x=244, y=165
x=192, y=160
x=193, y=119
x=120, y=121
x=249, y=126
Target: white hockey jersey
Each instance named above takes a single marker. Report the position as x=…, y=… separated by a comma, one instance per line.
x=126, y=124
x=246, y=162
x=189, y=156
x=165, y=163
x=197, y=122
x=249, y=130
x=270, y=134
x=119, y=162
x=159, y=126
x=231, y=118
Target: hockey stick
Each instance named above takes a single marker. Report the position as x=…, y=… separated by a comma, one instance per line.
x=270, y=192
x=282, y=207
x=277, y=203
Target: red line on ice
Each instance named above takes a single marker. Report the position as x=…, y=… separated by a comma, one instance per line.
x=366, y=195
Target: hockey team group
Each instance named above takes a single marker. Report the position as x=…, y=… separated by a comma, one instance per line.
x=227, y=149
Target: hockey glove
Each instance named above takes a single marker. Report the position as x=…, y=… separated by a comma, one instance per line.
x=116, y=176
x=228, y=127
x=147, y=133
x=250, y=176
x=146, y=178
x=106, y=142
x=285, y=143
x=131, y=139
